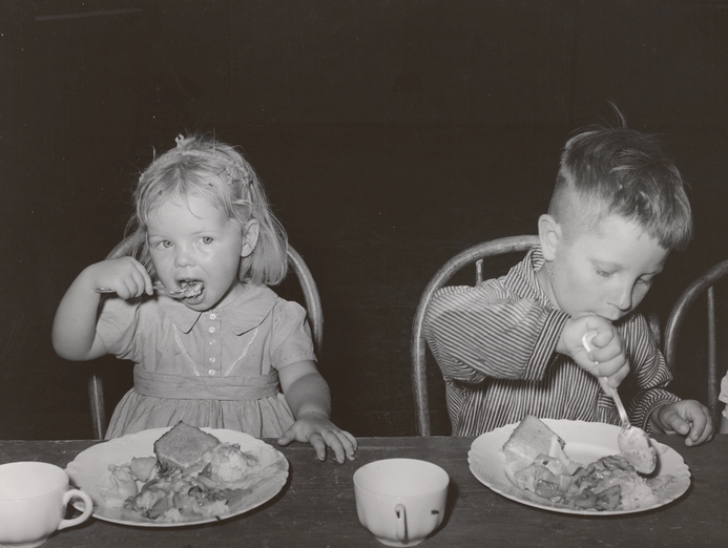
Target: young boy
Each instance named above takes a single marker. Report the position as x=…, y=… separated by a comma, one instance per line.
x=514, y=345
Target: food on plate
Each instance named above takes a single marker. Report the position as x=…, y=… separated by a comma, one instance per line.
x=536, y=462
x=531, y=439
x=145, y=468
x=192, y=475
x=122, y=485
x=183, y=447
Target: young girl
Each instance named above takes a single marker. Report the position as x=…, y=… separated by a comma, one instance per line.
x=211, y=343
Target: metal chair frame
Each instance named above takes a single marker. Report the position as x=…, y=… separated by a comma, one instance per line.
x=474, y=254
x=702, y=285
x=313, y=307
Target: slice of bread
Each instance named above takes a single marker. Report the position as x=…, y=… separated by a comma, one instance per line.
x=530, y=439
x=183, y=447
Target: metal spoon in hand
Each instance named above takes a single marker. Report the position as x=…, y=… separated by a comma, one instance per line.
x=633, y=442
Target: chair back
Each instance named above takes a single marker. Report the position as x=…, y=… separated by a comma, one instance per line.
x=704, y=284
x=314, y=314
x=473, y=255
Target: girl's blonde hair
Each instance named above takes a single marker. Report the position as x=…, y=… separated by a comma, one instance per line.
x=216, y=171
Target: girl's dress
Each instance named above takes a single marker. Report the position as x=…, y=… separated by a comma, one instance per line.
x=216, y=368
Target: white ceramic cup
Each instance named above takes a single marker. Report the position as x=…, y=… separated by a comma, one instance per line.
x=33, y=499
x=400, y=501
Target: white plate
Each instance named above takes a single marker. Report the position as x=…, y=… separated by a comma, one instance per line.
x=585, y=443
x=90, y=471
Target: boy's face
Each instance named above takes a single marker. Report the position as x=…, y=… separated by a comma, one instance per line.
x=192, y=241
x=607, y=271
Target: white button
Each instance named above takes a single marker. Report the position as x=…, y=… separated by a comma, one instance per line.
x=212, y=341
x=213, y=316
x=211, y=330
x=211, y=372
x=212, y=360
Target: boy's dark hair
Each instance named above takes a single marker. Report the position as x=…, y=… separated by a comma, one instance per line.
x=626, y=173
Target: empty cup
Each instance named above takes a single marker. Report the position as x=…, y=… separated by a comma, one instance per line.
x=401, y=501
x=33, y=499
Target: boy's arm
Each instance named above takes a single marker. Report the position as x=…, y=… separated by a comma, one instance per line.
x=645, y=387
x=488, y=331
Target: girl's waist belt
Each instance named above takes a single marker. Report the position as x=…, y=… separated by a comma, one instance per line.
x=161, y=385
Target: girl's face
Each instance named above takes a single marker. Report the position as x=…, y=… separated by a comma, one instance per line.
x=191, y=241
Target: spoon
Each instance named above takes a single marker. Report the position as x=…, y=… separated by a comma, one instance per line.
x=633, y=442
x=192, y=290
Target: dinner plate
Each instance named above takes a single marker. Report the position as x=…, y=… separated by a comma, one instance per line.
x=585, y=443
x=89, y=471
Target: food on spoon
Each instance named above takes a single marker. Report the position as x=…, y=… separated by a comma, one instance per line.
x=191, y=288
x=610, y=483
x=637, y=449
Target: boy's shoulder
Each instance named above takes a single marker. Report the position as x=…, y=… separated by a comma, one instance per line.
x=518, y=283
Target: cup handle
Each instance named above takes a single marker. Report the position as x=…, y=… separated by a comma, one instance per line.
x=88, y=507
x=400, y=513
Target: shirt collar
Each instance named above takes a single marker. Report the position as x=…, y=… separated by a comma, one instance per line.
x=522, y=277
x=243, y=314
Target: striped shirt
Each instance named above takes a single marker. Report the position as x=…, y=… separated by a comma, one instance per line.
x=496, y=346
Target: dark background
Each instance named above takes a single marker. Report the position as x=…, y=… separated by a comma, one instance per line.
x=390, y=135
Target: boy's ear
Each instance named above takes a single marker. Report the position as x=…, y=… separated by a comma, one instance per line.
x=549, y=234
x=250, y=238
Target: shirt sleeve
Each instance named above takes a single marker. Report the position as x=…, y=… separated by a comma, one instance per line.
x=117, y=326
x=723, y=396
x=488, y=331
x=645, y=388
x=291, y=340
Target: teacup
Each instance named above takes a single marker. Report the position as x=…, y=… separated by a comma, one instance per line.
x=401, y=501
x=33, y=499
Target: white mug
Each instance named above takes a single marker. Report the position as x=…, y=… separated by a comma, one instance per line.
x=33, y=499
x=401, y=501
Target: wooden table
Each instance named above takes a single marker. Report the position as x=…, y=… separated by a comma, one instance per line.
x=316, y=507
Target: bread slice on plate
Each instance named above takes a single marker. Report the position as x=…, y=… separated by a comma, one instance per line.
x=530, y=439
x=183, y=446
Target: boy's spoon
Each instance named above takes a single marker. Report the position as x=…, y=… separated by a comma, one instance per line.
x=633, y=442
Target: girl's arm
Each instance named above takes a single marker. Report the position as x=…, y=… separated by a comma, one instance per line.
x=74, y=327
x=309, y=398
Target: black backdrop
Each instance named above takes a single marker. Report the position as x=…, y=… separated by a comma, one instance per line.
x=390, y=135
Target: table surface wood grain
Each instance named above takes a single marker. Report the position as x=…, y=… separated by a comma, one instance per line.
x=316, y=507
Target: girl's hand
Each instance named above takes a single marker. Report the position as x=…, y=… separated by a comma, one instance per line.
x=125, y=276
x=608, y=355
x=320, y=432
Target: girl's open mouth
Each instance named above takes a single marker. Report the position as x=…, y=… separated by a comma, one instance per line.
x=189, y=289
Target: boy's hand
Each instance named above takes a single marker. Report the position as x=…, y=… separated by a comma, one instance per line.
x=688, y=418
x=320, y=432
x=607, y=358
x=125, y=276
